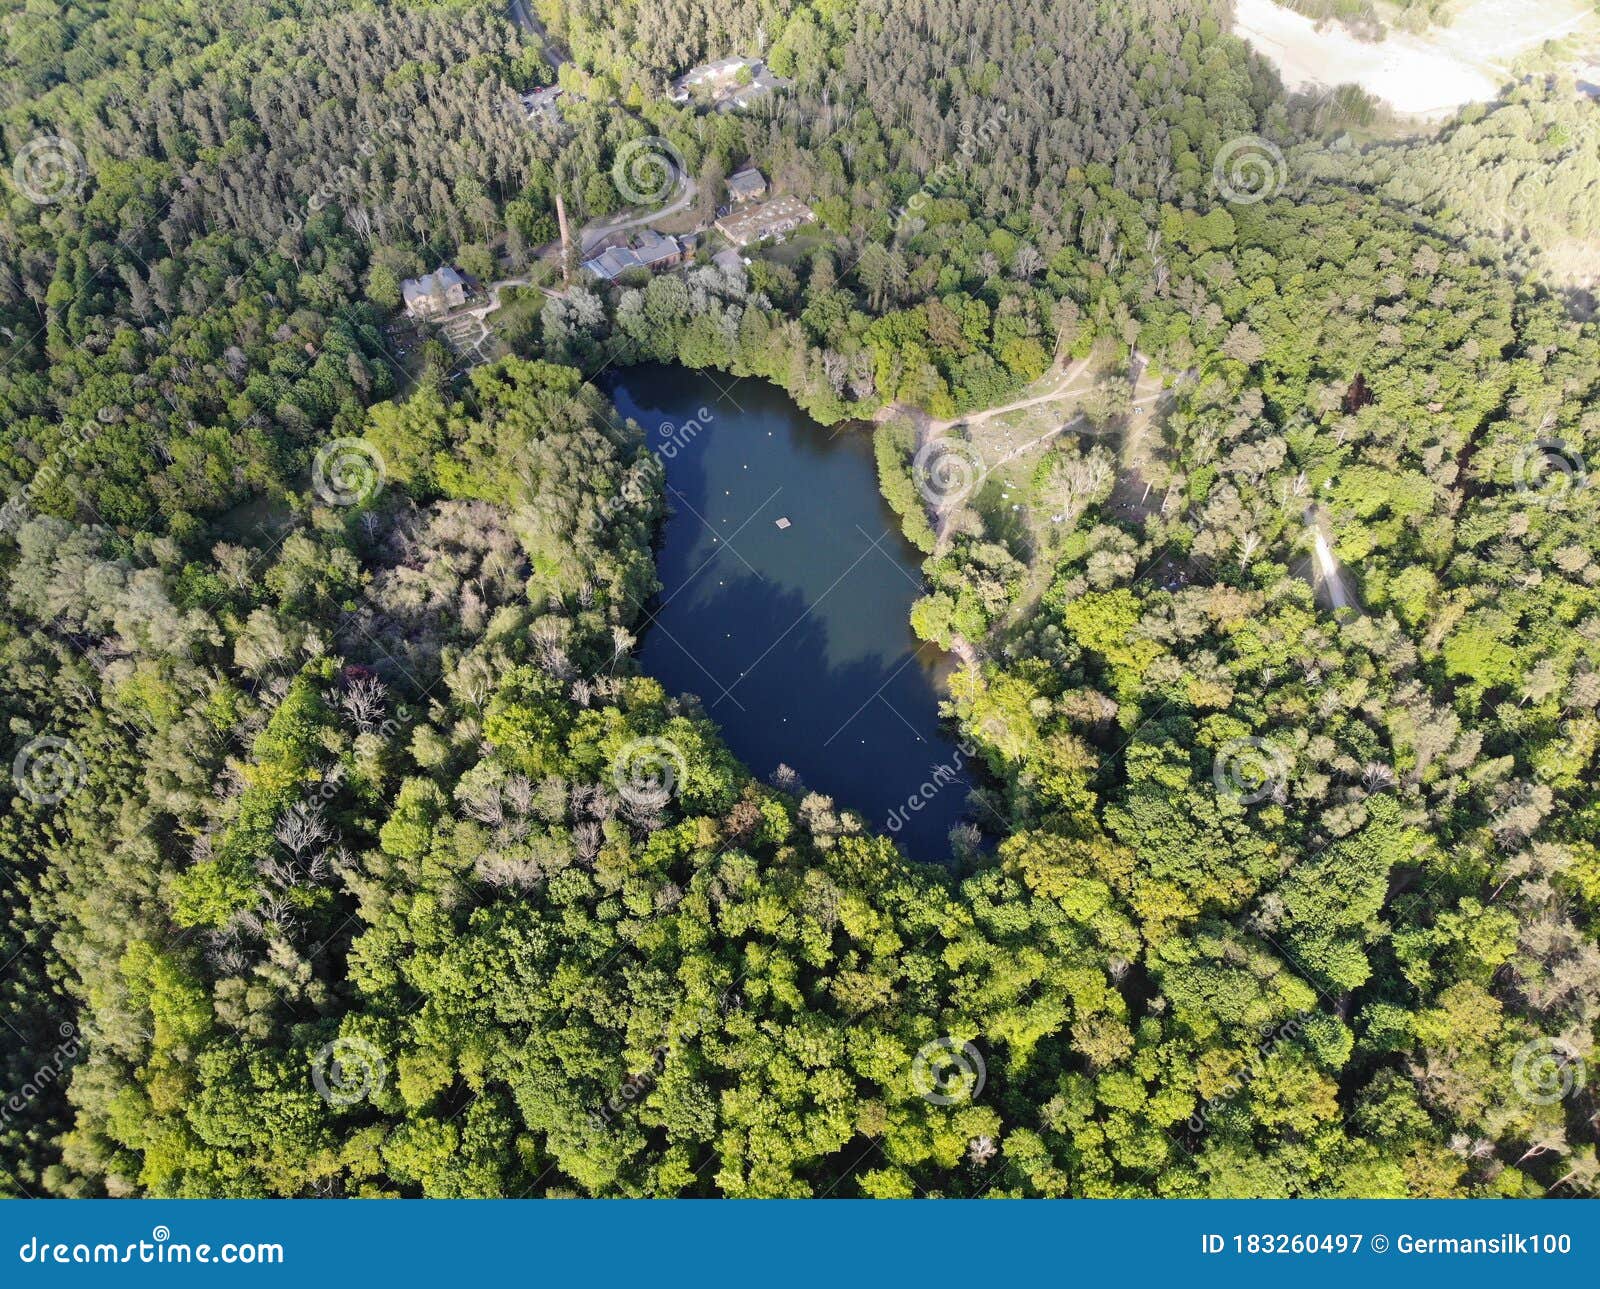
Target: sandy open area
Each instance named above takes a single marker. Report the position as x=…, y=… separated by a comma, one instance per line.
x=1428, y=76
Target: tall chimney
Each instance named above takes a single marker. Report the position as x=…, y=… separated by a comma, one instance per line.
x=566, y=242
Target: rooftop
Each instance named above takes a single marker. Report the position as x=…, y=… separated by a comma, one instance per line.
x=710, y=73
x=746, y=183
x=762, y=82
x=611, y=263
x=649, y=249
x=719, y=78
x=441, y=279
x=769, y=219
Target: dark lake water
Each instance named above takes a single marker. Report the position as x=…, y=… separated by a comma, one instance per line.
x=795, y=638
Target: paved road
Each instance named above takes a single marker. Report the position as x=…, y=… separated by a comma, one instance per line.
x=594, y=233
x=523, y=17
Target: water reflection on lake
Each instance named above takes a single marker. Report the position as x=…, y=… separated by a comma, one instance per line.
x=795, y=636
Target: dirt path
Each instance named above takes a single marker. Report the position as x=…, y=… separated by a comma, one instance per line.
x=928, y=426
x=594, y=233
x=1064, y=385
x=493, y=302
x=1060, y=390
x=469, y=338
x=1076, y=423
x=468, y=328
x=524, y=18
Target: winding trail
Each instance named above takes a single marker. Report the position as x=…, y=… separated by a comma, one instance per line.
x=928, y=425
x=591, y=235
x=1060, y=390
x=477, y=315
x=1064, y=386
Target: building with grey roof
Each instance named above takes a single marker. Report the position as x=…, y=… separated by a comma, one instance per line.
x=434, y=293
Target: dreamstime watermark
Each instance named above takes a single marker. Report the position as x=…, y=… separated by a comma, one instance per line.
x=160, y=1248
x=1248, y=169
x=346, y=177
x=328, y=786
x=46, y=1076
x=348, y=1070
x=638, y=485
x=677, y=437
x=642, y=478
x=939, y=778
x=1251, y=770
x=1547, y=1070
x=647, y=771
x=947, y=471
x=636, y=1086
x=633, y=1088
x=1548, y=468
x=947, y=1071
x=48, y=769
x=347, y=472
x=56, y=470
x=646, y=170
x=49, y=169
x=1245, y=1074
x=985, y=135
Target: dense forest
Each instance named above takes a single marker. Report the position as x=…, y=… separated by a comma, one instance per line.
x=347, y=851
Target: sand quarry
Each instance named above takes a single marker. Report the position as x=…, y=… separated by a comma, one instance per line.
x=1428, y=76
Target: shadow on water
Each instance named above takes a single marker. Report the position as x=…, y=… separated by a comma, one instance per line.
x=796, y=638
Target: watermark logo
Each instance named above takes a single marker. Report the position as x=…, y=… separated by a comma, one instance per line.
x=160, y=1248
x=939, y=778
x=642, y=481
x=634, y=1088
x=1249, y=169
x=1250, y=770
x=637, y=1086
x=348, y=1070
x=49, y=170
x=47, y=770
x=647, y=772
x=1548, y=467
x=674, y=438
x=347, y=472
x=46, y=1076
x=646, y=170
x=1272, y=1036
x=973, y=140
x=1546, y=1070
x=947, y=1071
x=947, y=471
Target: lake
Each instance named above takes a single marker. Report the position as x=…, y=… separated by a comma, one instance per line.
x=786, y=590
